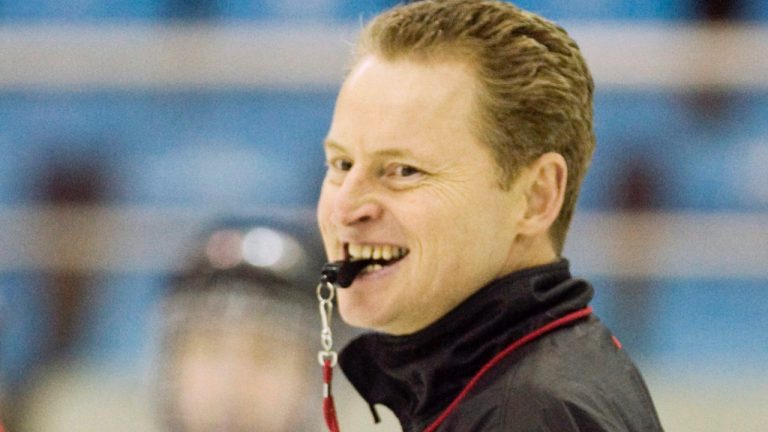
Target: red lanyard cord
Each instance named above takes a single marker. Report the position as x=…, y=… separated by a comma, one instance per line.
x=329, y=408
x=541, y=331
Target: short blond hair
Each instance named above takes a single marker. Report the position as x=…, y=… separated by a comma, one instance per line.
x=535, y=88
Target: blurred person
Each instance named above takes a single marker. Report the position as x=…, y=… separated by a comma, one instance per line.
x=234, y=350
x=713, y=104
x=637, y=191
x=455, y=154
x=718, y=10
x=67, y=186
x=70, y=184
x=231, y=353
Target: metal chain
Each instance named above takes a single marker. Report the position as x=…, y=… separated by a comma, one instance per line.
x=325, y=294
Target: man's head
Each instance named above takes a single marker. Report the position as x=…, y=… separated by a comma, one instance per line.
x=461, y=133
x=534, y=92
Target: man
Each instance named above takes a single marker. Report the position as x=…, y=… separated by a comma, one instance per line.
x=455, y=154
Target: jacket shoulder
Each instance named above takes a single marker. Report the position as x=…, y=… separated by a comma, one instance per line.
x=575, y=379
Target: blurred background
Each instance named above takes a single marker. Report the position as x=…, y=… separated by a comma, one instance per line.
x=131, y=129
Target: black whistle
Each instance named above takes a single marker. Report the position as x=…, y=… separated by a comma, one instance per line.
x=342, y=273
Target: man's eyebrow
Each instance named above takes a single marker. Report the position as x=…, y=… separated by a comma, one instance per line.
x=330, y=144
x=396, y=152
x=391, y=152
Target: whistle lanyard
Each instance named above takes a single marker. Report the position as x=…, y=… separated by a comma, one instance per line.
x=328, y=358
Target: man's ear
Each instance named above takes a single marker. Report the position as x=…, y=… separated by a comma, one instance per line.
x=544, y=191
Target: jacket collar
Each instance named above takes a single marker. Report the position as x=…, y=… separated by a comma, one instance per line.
x=417, y=375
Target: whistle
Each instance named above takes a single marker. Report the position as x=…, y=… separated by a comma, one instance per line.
x=342, y=273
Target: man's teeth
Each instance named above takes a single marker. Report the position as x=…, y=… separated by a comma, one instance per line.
x=385, y=252
x=370, y=268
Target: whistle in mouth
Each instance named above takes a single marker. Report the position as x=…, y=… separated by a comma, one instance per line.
x=342, y=273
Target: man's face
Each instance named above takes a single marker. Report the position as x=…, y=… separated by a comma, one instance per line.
x=407, y=177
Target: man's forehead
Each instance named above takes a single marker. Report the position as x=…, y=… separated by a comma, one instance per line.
x=403, y=108
x=403, y=77
x=410, y=92
x=360, y=69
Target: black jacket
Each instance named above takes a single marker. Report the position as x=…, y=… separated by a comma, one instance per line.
x=574, y=378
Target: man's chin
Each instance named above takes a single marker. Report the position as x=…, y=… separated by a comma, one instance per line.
x=361, y=320
x=366, y=318
x=361, y=309
x=390, y=327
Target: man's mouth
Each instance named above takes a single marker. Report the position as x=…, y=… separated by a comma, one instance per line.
x=376, y=256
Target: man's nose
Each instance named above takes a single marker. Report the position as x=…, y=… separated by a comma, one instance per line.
x=356, y=201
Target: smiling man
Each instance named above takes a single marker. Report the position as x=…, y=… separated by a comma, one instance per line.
x=455, y=154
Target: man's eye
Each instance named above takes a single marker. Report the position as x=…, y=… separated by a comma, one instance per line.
x=341, y=164
x=405, y=171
